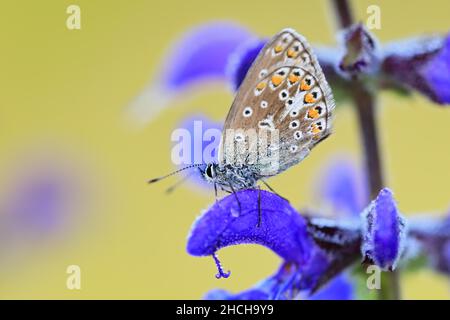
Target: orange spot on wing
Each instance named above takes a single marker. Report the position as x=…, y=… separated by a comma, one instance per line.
x=315, y=129
x=293, y=79
x=309, y=98
x=278, y=49
x=313, y=113
x=260, y=86
x=276, y=80
x=291, y=53
x=304, y=86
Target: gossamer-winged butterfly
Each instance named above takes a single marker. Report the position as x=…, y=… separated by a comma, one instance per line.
x=285, y=96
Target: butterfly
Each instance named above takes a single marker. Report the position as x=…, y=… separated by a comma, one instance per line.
x=284, y=96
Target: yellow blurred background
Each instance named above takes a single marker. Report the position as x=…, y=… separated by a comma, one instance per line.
x=63, y=95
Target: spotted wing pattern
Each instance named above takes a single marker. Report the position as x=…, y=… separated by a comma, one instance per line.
x=284, y=92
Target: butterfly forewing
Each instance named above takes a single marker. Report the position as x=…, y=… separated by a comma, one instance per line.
x=284, y=95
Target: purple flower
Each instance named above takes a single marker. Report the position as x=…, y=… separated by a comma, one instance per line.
x=282, y=229
x=361, y=56
x=241, y=60
x=383, y=231
x=196, y=140
x=202, y=54
x=434, y=237
x=343, y=186
x=422, y=64
x=265, y=290
x=437, y=73
x=199, y=56
x=340, y=288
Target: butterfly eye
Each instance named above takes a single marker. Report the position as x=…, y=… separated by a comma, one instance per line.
x=210, y=172
x=283, y=94
x=247, y=112
x=294, y=124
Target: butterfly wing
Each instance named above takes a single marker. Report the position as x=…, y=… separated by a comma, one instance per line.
x=284, y=92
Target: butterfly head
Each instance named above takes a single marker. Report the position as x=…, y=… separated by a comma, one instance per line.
x=209, y=172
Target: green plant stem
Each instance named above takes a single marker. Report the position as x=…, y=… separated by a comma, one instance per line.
x=365, y=101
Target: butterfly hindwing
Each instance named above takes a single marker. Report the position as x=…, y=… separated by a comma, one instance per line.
x=284, y=90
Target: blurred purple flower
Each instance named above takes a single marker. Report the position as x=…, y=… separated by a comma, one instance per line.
x=339, y=288
x=202, y=54
x=361, y=54
x=437, y=73
x=226, y=51
x=203, y=146
x=199, y=56
x=343, y=186
x=241, y=60
x=434, y=237
x=39, y=202
x=383, y=231
x=422, y=64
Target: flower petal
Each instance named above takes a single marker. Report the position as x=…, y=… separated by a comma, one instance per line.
x=433, y=235
x=282, y=229
x=251, y=294
x=361, y=54
x=383, y=231
x=340, y=288
x=197, y=141
x=242, y=59
x=203, y=53
x=422, y=64
x=437, y=73
x=342, y=186
x=198, y=56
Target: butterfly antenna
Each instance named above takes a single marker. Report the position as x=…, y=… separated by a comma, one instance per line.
x=175, y=172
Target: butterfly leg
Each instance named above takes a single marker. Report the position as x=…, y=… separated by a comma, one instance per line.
x=235, y=195
x=215, y=192
x=271, y=189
